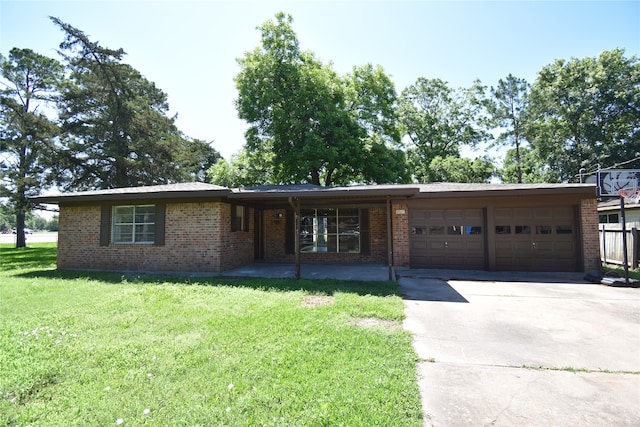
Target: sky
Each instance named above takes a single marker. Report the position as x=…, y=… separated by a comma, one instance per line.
x=189, y=48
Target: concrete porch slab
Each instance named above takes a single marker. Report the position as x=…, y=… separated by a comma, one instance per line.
x=353, y=272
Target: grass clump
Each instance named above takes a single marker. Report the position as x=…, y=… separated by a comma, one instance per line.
x=618, y=271
x=100, y=348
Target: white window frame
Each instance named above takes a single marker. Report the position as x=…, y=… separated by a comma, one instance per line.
x=133, y=224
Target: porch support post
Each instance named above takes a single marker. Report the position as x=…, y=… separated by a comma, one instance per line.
x=296, y=221
x=389, y=240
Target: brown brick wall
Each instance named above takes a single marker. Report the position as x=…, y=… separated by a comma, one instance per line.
x=400, y=228
x=274, y=236
x=589, y=233
x=236, y=248
x=197, y=238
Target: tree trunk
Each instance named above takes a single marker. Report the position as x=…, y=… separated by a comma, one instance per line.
x=315, y=177
x=21, y=200
x=328, y=182
x=20, y=240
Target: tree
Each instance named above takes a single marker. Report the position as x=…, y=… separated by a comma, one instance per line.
x=439, y=120
x=7, y=217
x=244, y=169
x=195, y=158
x=507, y=107
x=585, y=113
x=319, y=127
x=460, y=169
x=116, y=131
x=524, y=166
x=26, y=133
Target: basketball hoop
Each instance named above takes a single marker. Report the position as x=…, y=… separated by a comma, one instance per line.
x=628, y=192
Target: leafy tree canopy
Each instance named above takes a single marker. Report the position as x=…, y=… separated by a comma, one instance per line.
x=585, y=113
x=525, y=167
x=319, y=127
x=459, y=169
x=243, y=169
x=439, y=120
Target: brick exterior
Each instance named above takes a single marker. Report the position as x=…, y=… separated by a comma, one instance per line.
x=274, y=236
x=400, y=230
x=589, y=233
x=198, y=238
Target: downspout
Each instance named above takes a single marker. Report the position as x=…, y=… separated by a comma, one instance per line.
x=296, y=222
x=389, y=239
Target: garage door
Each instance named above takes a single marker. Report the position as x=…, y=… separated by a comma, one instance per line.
x=536, y=239
x=452, y=238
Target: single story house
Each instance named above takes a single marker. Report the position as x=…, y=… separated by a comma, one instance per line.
x=610, y=212
x=197, y=227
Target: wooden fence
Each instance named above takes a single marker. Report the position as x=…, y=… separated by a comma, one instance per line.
x=611, y=249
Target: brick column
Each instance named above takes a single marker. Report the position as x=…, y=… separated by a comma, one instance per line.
x=589, y=233
x=400, y=230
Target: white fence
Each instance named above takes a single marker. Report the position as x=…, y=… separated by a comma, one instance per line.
x=611, y=248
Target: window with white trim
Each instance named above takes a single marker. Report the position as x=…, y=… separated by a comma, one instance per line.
x=134, y=224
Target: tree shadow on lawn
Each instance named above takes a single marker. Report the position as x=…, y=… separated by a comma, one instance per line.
x=313, y=286
x=40, y=256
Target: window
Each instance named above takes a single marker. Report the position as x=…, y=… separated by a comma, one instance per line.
x=543, y=229
x=523, y=229
x=474, y=230
x=564, y=229
x=453, y=230
x=609, y=218
x=134, y=224
x=503, y=229
x=334, y=230
x=436, y=229
x=239, y=218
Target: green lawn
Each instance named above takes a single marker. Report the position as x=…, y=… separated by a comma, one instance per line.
x=619, y=271
x=107, y=349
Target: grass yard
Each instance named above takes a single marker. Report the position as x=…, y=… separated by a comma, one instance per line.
x=633, y=274
x=107, y=349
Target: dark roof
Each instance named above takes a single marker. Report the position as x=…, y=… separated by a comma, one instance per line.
x=181, y=190
x=469, y=189
x=632, y=202
x=286, y=191
x=414, y=190
x=202, y=190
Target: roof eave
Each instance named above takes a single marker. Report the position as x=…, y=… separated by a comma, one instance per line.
x=587, y=191
x=324, y=193
x=76, y=198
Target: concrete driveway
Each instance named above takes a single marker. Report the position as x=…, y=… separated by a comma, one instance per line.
x=524, y=349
